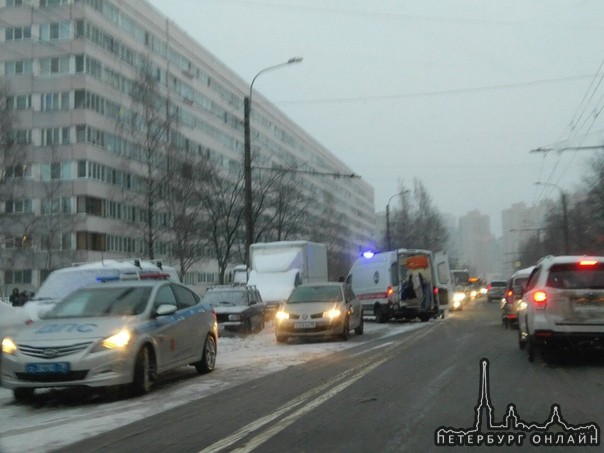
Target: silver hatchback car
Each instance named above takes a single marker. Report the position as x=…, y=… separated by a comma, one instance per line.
x=319, y=310
x=112, y=334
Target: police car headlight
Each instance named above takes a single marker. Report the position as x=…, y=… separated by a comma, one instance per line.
x=8, y=346
x=118, y=341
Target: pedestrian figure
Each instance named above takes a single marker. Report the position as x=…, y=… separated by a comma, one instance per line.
x=14, y=297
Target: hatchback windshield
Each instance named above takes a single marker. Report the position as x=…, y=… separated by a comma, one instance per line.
x=95, y=302
x=315, y=294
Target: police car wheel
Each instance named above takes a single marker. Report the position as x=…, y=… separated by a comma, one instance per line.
x=23, y=394
x=208, y=356
x=142, y=381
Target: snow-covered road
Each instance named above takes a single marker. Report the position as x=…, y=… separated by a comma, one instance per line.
x=54, y=420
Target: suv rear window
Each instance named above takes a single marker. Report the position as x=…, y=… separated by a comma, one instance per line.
x=498, y=284
x=576, y=276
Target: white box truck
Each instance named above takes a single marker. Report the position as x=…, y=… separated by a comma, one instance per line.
x=278, y=267
x=402, y=284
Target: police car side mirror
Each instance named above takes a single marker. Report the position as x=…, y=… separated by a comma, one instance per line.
x=165, y=309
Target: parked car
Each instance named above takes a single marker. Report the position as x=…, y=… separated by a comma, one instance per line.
x=513, y=295
x=496, y=290
x=319, y=310
x=563, y=305
x=112, y=334
x=238, y=307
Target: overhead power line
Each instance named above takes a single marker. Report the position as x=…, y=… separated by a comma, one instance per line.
x=389, y=97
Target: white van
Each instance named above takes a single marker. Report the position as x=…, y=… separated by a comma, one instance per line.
x=62, y=282
x=403, y=284
x=374, y=280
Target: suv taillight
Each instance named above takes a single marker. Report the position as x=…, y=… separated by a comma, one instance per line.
x=539, y=299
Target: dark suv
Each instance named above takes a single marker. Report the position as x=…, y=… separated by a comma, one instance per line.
x=496, y=290
x=238, y=307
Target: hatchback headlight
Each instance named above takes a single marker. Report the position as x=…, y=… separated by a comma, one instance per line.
x=8, y=346
x=118, y=341
x=334, y=313
x=282, y=315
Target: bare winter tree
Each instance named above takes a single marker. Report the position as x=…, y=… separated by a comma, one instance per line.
x=222, y=199
x=418, y=224
x=150, y=126
x=187, y=218
x=285, y=205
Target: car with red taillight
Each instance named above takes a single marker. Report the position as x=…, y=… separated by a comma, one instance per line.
x=513, y=295
x=563, y=305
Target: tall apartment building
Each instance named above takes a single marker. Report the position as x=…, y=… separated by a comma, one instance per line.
x=478, y=249
x=70, y=66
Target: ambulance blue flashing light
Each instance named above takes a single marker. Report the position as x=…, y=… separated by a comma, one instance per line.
x=368, y=254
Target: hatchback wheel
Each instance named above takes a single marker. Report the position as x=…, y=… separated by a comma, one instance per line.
x=208, y=356
x=345, y=329
x=361, y=327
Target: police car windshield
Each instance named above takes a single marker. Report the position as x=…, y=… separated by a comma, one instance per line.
x=96, y=302
x=315, y=294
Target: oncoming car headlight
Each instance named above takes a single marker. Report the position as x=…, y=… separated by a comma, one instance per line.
x=333, y=313
x=118, y=341
x=458, y=296
x=234, y=317
x=282, y=315
x=8, y=346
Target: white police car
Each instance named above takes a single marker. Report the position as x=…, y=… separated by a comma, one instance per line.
x=110, y=334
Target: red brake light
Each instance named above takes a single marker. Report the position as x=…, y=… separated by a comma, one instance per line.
x=489, y=286
x=588, y=263
x=435, y=291
x=539, y=299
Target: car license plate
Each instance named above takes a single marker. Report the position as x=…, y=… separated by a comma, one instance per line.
x=305, y=325
x=51, y=367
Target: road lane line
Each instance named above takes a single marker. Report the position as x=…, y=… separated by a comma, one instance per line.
x=363, y=368
x=281, y=425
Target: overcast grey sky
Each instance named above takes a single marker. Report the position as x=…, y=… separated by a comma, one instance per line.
x=454, y=93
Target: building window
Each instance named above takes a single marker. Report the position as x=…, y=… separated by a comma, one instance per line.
x=51, y=32
x=20, y=136
x=14, y=277
x=14, y=3
x=90, y=241
x=19, y=102
x=54, y=101
x=90, y=205
x=18, y=207
x=56, y=170
x=50, y=3
x=54, y=65
x=18, y=171
x=55, y=136
x=15, y=68
x=17, y=33
x=57, y=206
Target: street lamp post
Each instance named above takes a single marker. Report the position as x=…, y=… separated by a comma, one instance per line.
x=388, y=215
x=247, y=159
x=564, y=213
